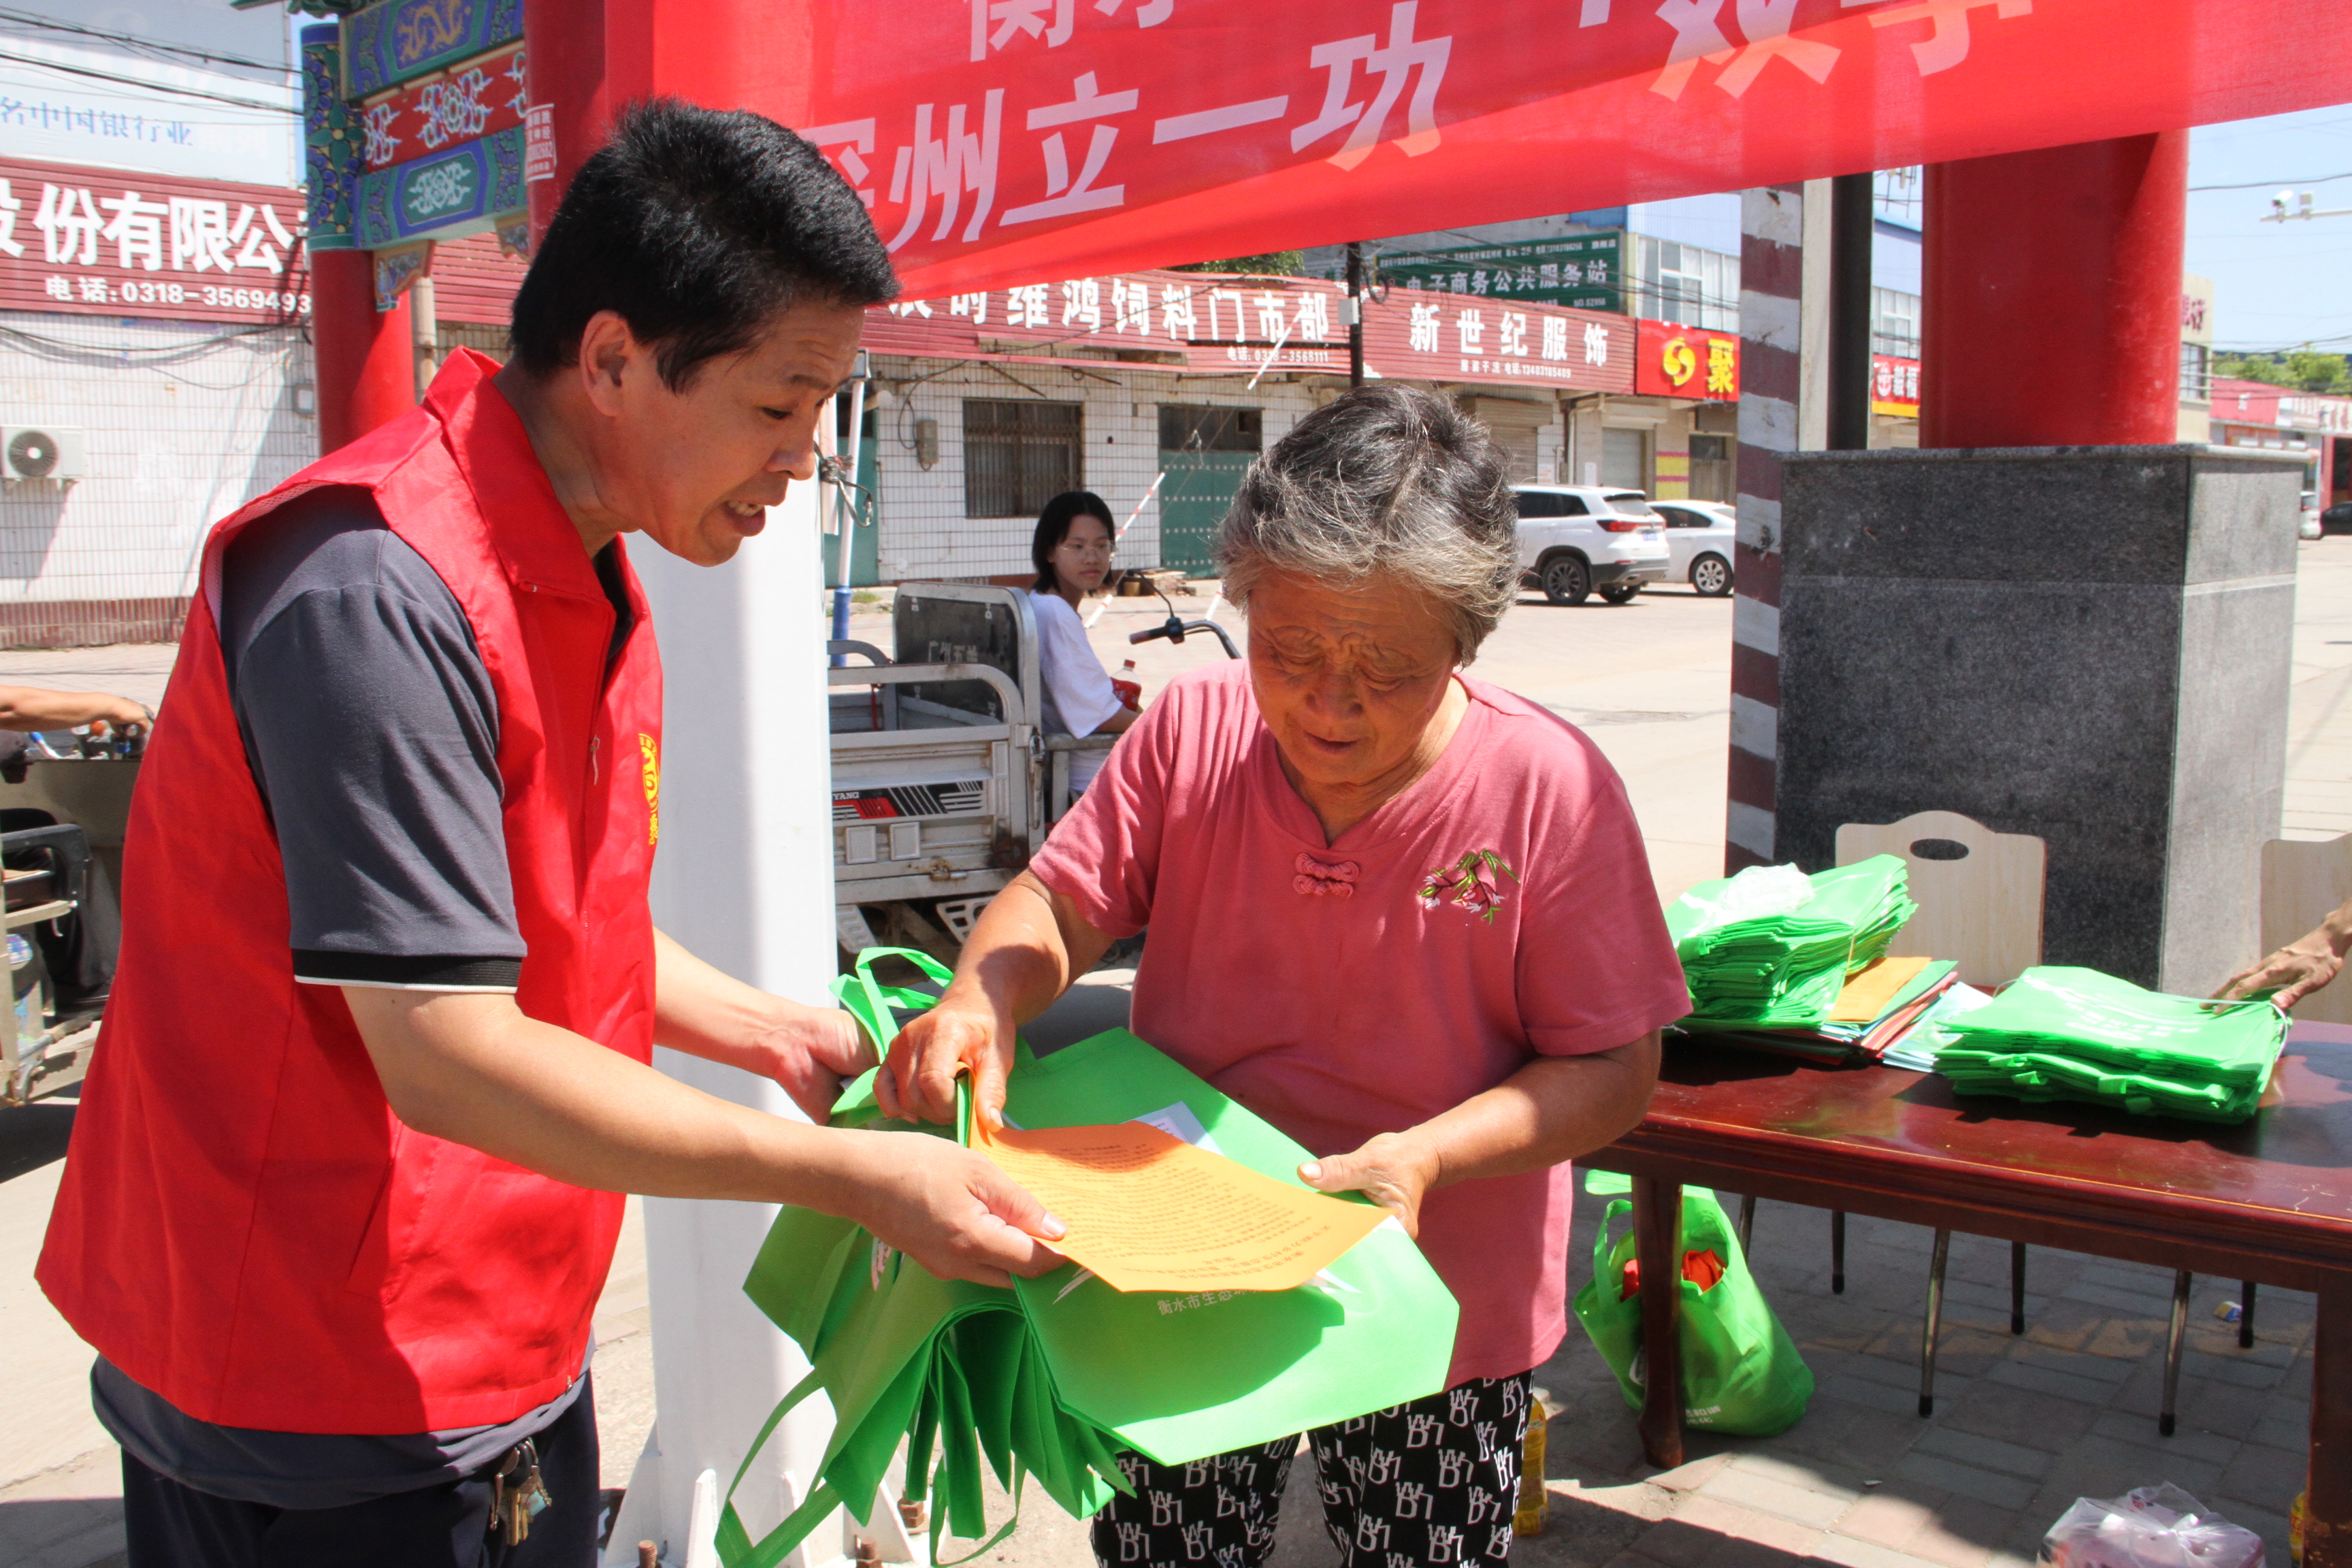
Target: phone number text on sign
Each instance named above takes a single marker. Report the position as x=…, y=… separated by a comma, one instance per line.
x=92, y=290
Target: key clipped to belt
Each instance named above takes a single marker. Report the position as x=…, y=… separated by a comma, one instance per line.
x=517, y=1494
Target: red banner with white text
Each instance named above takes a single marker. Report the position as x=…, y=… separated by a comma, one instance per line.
x=999, y=142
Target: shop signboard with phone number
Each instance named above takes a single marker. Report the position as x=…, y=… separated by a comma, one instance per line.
x=110, y=242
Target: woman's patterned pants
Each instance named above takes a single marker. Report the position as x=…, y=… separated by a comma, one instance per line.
x=1433, y=1481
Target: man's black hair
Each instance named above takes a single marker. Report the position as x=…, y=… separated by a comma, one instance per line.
x=698, y=225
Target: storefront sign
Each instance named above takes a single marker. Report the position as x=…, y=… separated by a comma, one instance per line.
x=1583, y=270
x=480, y=98
x=1894, y=386
x=1675, y=361
x=103, y=242
x=1206, y=323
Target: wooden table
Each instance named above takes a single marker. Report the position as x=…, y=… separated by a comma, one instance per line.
x=2269, y=1201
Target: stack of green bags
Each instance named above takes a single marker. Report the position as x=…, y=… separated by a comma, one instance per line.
x=1051, y=1380
x=1772, y=948
x=2076, y=1033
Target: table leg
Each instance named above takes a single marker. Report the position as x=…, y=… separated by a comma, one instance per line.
x=1657, y=1232
x=2327, y=1526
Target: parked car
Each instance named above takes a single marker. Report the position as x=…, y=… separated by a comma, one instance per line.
x=2310, y=527
x=2337, y=519
x=1574, y=539
x=1699, y=534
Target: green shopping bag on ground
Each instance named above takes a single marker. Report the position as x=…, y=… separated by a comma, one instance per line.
x=1741, y=1373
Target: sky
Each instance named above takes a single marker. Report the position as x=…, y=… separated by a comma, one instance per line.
x=2278, y=285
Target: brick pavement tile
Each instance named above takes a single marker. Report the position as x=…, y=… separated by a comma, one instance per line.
x=2104, y=1466
x=1851, y=1553
x=1835, y=1478
x=2131, y=1303
x=81, y=1550
x=1772, y=1494
x=2220, y=1341
x=2034, y=1377
x=2271, y=1527
x=1743, y=1553
x=26, y=1527
x=2213, y=1447
x=2086, y=1329
x=1883, y=1397
x=1771, y=1532
x=1723, y=1517
x=1840, y=1432
x=1900, y=1369
x=1678, y=1544
x=2245, y=1372
x=2267, y=1477
x=1969, y=1481
x=1892, y=1515
x=1992, y=1409
x=2042, y=1346
x=1692, y=1475
x=1993, y=1453
x=2283, y=1425
x=1963, y=1533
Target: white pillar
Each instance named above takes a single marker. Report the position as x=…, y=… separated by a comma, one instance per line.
x=744, y=879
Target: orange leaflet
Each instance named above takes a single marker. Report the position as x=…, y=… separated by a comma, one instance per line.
x=1149, y=1212
x=1866, y=995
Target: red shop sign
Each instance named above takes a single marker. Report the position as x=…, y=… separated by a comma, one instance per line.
x=109, y=242
x=1228, y=325
x=1675, y=361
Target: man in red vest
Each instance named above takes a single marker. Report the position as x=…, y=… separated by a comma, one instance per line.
x=345, y=1181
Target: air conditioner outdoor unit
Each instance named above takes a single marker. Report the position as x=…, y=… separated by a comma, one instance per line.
x=52, y=452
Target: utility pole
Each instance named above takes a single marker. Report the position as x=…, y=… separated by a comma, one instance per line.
x=1355, y=313
x=1851, y=230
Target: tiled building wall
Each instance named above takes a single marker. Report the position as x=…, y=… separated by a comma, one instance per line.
x=181, y=423
x=925, y=531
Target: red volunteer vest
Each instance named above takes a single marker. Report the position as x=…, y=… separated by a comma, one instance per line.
x=244, y=1226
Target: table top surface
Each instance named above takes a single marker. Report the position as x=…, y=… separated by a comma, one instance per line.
x=2291, y=1163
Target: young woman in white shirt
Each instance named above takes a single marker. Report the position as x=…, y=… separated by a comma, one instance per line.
x=1071, y=551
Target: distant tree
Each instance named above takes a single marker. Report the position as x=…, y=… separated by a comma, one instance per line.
x=2305, y=370
x=1268, y=264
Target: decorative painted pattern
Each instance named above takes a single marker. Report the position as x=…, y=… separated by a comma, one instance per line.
x=331, y=151
x=400, y=40
x=463, y=189
x=480, y=98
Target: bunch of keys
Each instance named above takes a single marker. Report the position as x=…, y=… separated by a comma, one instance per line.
x=517, y=1494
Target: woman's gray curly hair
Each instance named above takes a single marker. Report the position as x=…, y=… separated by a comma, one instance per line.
x=1387, y=482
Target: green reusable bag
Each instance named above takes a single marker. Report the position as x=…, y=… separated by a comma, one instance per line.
x=1182, y=1378
x=2063, y=1033
x=1772, y=948
x=1051, y=1380
x=1741, y=1373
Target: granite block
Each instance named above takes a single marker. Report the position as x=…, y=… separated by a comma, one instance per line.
x=2090, y=645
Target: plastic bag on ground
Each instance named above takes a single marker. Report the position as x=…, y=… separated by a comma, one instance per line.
x=2148, y=1527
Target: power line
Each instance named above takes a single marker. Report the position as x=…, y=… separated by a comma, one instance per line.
x=2274, y=184
x=148, y=46
x=153, y=86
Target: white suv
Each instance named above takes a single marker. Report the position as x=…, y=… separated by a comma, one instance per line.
x=1576, y=538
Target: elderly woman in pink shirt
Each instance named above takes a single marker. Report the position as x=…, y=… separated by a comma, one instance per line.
x=1400, y=914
